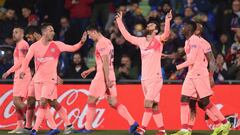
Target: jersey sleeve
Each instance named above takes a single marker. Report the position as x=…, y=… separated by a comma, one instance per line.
x=27, y=59
x=130, y=38
x=103, y=48
x=22, y=49
x=166, y=32
x=68, y=48
x=207, y=47
x=191, y=56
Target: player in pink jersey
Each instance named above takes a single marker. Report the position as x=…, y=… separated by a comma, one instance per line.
x=46, y=53
x=104, y=82
x=193, y=101
x=20, y=87
x=197, y=81
x=151, y=48
x=33, y=34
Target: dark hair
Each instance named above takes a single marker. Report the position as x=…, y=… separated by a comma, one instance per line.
x=27, y=7
x=157, y=25
x=192, y=24
x=45, y=25
x=93, y=27
x=18, y=26
x=32, y=29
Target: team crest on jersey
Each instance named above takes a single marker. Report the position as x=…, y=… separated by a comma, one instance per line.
x=52, y=50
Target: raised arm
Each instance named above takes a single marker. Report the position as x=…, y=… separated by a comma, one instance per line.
x=191, y=58
x=72, y=48
x=132, y=39
x=166, y=33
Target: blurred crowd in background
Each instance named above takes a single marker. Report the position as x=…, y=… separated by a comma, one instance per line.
x=220, y=19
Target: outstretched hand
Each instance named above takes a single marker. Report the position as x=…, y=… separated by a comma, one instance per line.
x=84, y=37
x=169, y=15
x=119, y=15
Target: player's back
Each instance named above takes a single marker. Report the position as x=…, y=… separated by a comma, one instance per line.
x=199, y=67
x=104, y=47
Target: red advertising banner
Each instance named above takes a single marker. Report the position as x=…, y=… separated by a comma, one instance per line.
x=74, y=97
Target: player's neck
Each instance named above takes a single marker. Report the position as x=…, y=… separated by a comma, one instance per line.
x=19, y=41
x=188, y=36
x=45, y=41
x=99, y=36
x=150, y=36
x=38, y=37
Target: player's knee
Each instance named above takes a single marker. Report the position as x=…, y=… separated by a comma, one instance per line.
x=155, y=107
x=16, y=102
x=91, y=100
x=53, y=103
x=148, y=104
x=192, y=105
x=203, y=103
x=43, y=103
x=113, y=103
x=185, y=99
x=31, y=101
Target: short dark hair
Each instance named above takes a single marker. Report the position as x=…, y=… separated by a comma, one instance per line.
x=45, y=25
x=157, y=24
x=93, y=27
x=32, y=29
x=27, y=7
x=192, y=24
x=18, y=26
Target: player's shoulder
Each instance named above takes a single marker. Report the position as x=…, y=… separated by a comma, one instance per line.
x=23, y=43
x=158, y=37
x=104, y=42
x=57, y=42
x=35, y=44
x=205, y=42
x=194, y=41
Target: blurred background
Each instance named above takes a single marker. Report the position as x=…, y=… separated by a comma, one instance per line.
x=220, y=18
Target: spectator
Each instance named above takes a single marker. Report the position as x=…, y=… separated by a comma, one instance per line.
x=153, y=15
x=235, y=47
x=67, y=33
x=6, y=26
x=77, y=67
x=177, y=26
x=192, y=4
x=28, y=17
x=235, y=19
x=188, y=13
x=127, y=70
x=90, y=61
x=100, y=12
x=177, y=58
x=80, y=13
x=65, y=25
x=234, y=70
x=223, y=45
x=6, y=60
x=221, y=73
x=138, y=30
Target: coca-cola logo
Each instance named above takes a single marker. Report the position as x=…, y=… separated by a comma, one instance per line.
x=71, y=99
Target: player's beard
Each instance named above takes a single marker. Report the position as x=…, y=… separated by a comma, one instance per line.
x=149, y=32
